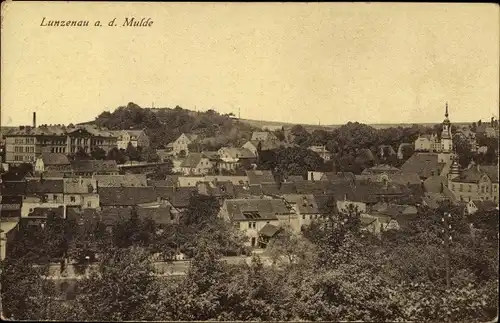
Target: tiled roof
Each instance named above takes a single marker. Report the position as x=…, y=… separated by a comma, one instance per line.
x=423, y=164
x=126, y=196
x=469, y=175
x=160, y=215
x=434, y=184
x=192, y=160
x=381, y=169
x=212, y=155
x=54, y=159
x=306, y=204
x=260, y=176
x=491, y=171
x=94, y=166
x=129, y=180
x=218, y=189
x=45, y=186
x=262, y=136
x=191, y=136
x=308, y=187
x=181, y=196
x=13, y=188
x=79, y=185
x=405, y=178
x=113, y=215
x=238, y=152
x=172, y=180
x=485, y=205
x=340, y=176
x=255, y=209
x=323, y=203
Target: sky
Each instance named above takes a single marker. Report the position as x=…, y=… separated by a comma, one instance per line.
x=306, y=63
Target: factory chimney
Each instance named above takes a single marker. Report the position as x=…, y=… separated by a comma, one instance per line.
x=34, y=119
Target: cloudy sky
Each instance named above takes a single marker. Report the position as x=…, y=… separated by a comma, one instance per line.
x=301, y=63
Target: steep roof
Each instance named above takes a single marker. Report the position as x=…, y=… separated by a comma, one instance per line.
x=238, y=152
x=260, y=176
x=423, y=164
x=181, y=196
x=486, y=205
x=306, y=203
x=128, y=180
x=13, y=188
x=192, y=160
x=54, y=159
x=217, y=189
x=79, y=185
x=126, y=196
x=255, y=209
x=262, y=136
x=491, y=171
x=434, y=184
x=94, y=166
x=470, y=175
x=191, y=136
x=381, y=169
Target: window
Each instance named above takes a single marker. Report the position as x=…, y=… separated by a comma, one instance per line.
x=452, y=187
x=89, y=204
x=54, y=197
x=494, y=188
x=470, y=188
x=461, y=188
x=487, y=189
x=72, y=199
x=482, y=189
x=303, y=216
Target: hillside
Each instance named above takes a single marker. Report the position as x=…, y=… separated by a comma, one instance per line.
x=165, y=125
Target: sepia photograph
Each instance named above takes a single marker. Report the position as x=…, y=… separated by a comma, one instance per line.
x=249, y=161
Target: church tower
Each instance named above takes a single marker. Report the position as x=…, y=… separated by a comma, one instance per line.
x=446, y=137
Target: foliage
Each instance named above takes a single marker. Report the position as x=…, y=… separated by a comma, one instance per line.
x=24, y=290
x=123, y=288
x=162, y=170
x=98, y=153
x=117, y=155
x=81, y=154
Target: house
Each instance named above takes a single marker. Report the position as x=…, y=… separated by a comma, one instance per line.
x=91, y=168
x=466, y=134
x=487, y=130
x=81, y=192
x=478, y=205
x=196, y=164
x=322, y=152
x=43, y=194
x=52, y=162
x=219, y=190
x=251, y=216
x=305, y=208
x=180, y=146
x=424, y=164
x=126, y=197
x=128, y=180
x=315, y=176
x=263, y=136
x=257, y=177
x=137, y=138
x=233, y=158
x=476, y=183
x=235, y=180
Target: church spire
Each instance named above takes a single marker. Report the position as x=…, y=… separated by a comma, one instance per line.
x=446, y=111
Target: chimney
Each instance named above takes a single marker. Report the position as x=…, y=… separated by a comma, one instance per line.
x=34, y=119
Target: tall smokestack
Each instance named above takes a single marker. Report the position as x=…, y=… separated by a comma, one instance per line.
x=34, y=119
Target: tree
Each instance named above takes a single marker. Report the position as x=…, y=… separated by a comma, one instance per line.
x=296, y=249
x=123, y=288
x=25, y=294
x=133, y=231
x=149, y=155
x=132, y=152
x=117, y=155
x=98, y=153
x=81, y=154
x=182, y=154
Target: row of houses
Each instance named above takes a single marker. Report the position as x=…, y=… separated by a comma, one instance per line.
x=26, y=143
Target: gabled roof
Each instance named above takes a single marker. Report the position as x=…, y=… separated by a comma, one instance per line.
x=79, y=185
x=486, y=205
x=192, y=160
x=255, y=209
x=211, y=155
x=306, y=203
x=128, y=180
x=13, y=188
x=491, y=171
x=44, y=186
x=263, y=136
x=238, y=152
x=473, y=174
x=260, y=176
x=340, y=177
x=94, y=166
x=126, y=196
x=180, y=198
x=423, y=164
x=54, y=159
x=217, y=189
x=381, y=169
